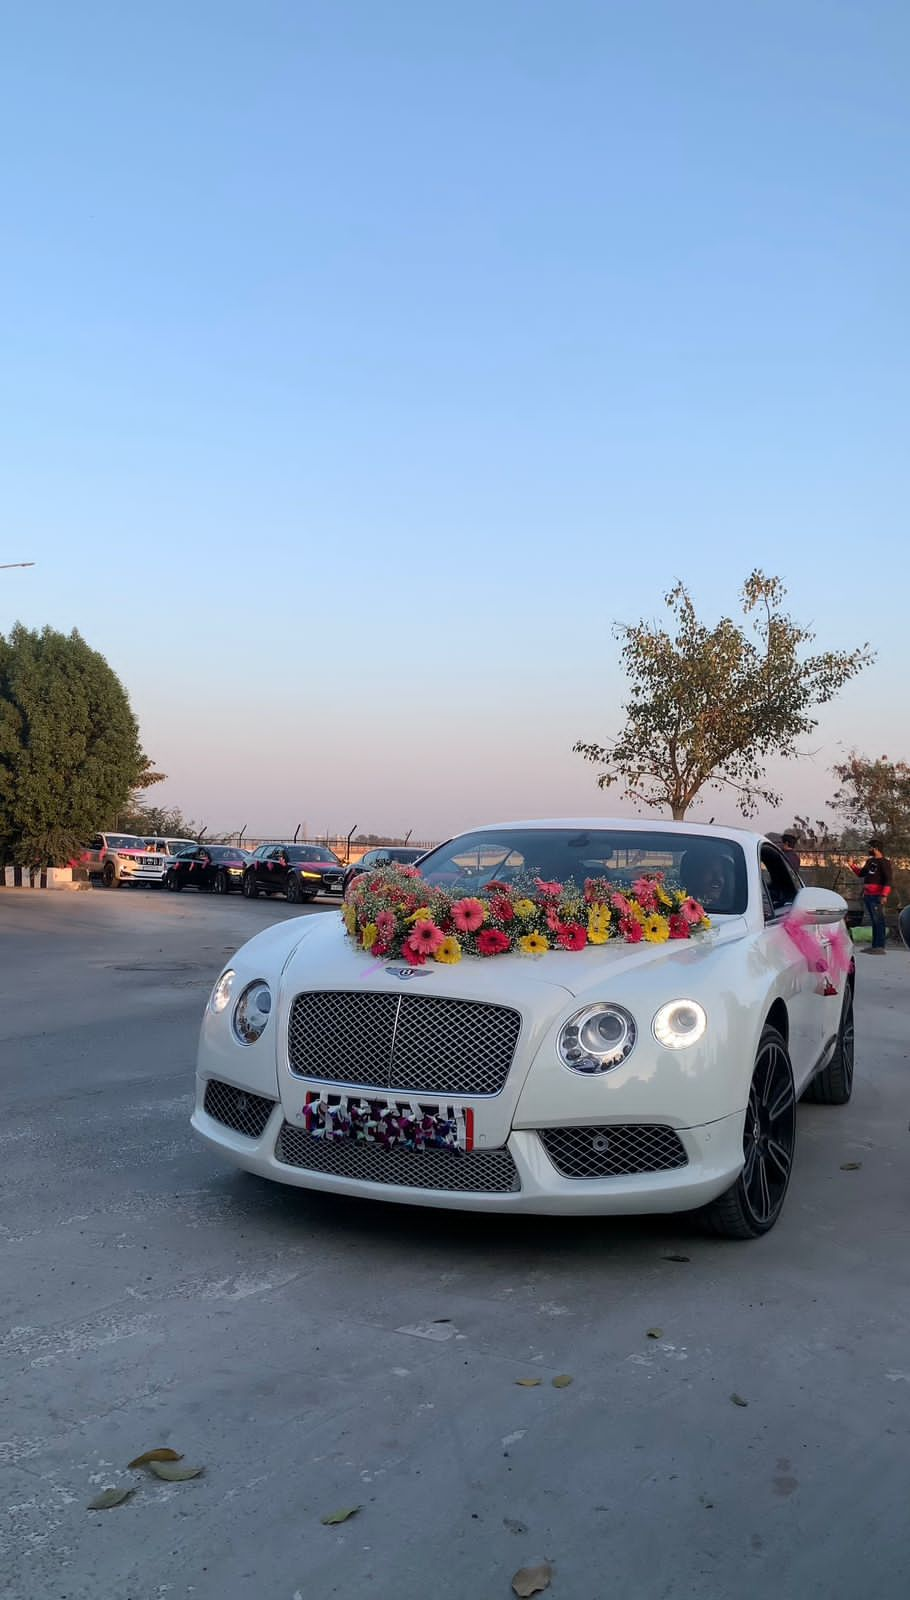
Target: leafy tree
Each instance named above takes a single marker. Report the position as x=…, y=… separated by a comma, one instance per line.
x=708, y=705
x=69, y=745
x=874, y=797
x=162, y=822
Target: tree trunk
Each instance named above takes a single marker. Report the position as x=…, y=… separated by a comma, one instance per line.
x=679, y=812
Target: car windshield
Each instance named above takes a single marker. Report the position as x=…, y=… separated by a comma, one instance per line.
x=124, y=841
x=227, y=854
x=311, y=852
x=711, y=869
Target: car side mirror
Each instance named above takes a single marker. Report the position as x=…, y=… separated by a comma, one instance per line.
x=820, y=905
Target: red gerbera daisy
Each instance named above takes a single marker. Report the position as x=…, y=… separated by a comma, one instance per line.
x=492, y=942
x=501, y=908
x=571, y=936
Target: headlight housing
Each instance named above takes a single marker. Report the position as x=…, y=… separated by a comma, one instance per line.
x=221, y=993
x=597, y=1039
x=679, y=1023
x=251, y=1013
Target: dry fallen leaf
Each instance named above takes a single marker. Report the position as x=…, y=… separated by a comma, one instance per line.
x=528, y=1383
x=156, y=1455
x=339, y=1516
x=562, y=1382
x=109, y=1498
x=171, y=1473
x=738, y=1400
x=850, y=1166
x=655, y=1333
x=677, y=1258
x=532, y=1580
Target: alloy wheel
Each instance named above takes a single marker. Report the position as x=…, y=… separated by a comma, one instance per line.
x=769, y=1135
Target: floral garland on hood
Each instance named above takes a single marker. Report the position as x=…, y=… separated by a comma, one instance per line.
x=392, y=912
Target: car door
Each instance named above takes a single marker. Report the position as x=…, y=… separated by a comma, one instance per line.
x=204, y=873
x=92, y=855
x=809, y=1017
x=274, y=874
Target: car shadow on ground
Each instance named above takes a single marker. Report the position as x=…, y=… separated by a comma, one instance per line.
x=335, y=1221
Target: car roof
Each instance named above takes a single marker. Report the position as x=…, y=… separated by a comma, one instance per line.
x=704, y=830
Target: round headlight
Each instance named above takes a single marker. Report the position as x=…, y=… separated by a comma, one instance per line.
x=679, y=1023
x=597, y=1038
x=251, y=1013
x=221, y=993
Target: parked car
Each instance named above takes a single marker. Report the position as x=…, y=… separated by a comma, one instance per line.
x=621, y=1077
x=215, y=868
x=405, y=854
x=300, y=871
x=118, y=858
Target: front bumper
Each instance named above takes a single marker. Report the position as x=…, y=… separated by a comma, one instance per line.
x=714, y=1154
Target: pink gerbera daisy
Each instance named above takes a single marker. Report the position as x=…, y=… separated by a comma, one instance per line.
x=692, y=911
x=468, y=915
x=426, y=938
x=679, y=927
x=385, y=922
x=549, y=890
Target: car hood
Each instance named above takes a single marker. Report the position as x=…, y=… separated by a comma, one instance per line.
x=320, y=955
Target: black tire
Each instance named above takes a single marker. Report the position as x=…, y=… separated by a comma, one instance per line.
x=250, y=886
x=221, y=885
x=293, y=890
x=752, y=1205
x=833, y=1086
x=108, y=875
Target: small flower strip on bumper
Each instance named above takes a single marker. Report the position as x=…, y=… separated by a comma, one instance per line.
x=390, y=1127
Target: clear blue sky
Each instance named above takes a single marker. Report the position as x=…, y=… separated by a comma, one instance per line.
x=364, y=360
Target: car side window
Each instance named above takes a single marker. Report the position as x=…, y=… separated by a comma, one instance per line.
x=779, y=886
x=276, y=855
x=97, y=843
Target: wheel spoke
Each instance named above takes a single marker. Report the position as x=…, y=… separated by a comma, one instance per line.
x=763, y=1189
x=780, y=1157
x=783, y=1102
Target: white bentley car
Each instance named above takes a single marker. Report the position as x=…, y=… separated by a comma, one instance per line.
x=650, y=1073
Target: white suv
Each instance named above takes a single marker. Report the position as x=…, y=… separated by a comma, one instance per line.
x=119, y=858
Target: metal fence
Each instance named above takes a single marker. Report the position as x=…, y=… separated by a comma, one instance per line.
x=343, y=848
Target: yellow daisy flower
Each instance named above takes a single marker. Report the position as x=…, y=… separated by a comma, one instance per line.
x=656, y=929
x=662, y=895
x=449, y=952
x=423, y=915
x=525, y=909
x=350, y=918
x=599, y=924
x=369, y=936
x=533, y=944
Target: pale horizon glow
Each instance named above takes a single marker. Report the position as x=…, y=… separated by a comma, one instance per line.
x=364, y=365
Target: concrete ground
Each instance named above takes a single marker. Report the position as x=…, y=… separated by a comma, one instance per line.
x=315, y=1354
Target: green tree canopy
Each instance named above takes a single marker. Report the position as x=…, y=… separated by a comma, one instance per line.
x=709, y=705
x=874, y=796
x=69, y=745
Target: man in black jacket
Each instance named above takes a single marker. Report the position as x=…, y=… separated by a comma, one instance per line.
x=876, y=875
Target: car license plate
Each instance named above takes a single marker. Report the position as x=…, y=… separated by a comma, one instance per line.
x=394, y=1125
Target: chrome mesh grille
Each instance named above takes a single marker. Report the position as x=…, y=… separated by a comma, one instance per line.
x=237, y=1108
x=455, y=1172
x=613, y=1151
x=422, y=1044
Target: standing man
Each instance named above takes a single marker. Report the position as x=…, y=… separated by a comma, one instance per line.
x=789, y=851
x=876, y=875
